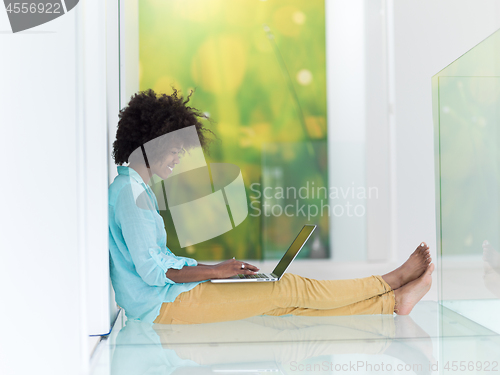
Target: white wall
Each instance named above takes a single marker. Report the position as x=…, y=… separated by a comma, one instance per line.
x=40, y=260
x=113, y=107
x=428, y=35
x=358, y=127
x=54, y=168
x=345, y=59
x=92, y=90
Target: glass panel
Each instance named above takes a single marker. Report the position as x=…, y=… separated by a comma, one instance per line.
x=466, y=99
x=349, y=200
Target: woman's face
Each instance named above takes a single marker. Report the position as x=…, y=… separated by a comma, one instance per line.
x=164, y=168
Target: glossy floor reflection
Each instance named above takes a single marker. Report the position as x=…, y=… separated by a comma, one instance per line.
x=430, y=340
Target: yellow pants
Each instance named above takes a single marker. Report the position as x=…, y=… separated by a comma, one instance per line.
x=296, y=295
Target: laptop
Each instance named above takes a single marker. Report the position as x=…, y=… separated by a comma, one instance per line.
x=283, y=264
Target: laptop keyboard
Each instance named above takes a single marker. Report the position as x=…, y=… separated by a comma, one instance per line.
x=256, y=276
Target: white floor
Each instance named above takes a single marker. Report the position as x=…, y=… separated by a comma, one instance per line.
x=460, y=337
x=431, y=339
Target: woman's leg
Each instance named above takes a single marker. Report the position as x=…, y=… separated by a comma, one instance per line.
x=208, y=302
x=382, y=304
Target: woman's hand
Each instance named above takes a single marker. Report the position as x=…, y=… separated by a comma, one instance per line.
x=232, y=267
x=202, y=272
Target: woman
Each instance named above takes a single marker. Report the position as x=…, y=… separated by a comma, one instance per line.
x=154, y=285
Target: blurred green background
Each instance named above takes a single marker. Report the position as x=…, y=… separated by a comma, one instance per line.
x=266, y=96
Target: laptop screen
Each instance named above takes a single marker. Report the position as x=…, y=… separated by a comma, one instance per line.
x=293, y=250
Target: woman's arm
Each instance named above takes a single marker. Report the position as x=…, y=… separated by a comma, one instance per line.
x=202, y=272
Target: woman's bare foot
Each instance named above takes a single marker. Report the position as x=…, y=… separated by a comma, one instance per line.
x=411, y=269
x=492, y=280
x=408, y=296
x=491, y=256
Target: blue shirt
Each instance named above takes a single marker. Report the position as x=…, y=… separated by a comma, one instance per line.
x=139, y=257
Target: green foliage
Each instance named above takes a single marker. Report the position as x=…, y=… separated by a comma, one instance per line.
x=247, y=81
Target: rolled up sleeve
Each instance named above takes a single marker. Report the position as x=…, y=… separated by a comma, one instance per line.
x=168, y=260
x=139, y=228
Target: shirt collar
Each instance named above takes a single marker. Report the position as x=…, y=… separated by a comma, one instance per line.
x=127, y=171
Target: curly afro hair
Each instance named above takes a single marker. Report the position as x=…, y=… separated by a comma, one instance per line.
x=148, y=116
